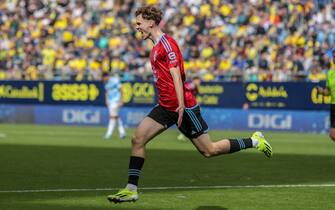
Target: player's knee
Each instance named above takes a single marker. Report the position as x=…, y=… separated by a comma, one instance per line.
x=137, y=141
x=208, y=153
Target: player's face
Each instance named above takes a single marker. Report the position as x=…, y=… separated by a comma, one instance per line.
x=144, y=27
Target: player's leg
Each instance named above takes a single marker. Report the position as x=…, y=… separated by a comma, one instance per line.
x=122, y=132
x=113, y=116
x=195, y=128
x=156, y=122
x=147, y=130
x=208, y=148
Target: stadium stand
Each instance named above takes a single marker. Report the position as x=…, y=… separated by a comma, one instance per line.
x=258, y=40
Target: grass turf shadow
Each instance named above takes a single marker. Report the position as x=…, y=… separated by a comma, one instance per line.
x=54, y=167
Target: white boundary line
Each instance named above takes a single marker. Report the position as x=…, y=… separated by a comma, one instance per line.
x=175, y=188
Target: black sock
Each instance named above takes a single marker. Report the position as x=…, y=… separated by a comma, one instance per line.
x=134, y=171
x=239, y=144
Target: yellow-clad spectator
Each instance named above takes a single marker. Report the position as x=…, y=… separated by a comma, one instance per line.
x=62, y=22
x=225, y=10
x=67, y=36
x=207, y=52
x=114, y=42
x=225, y=65
x=215, y=2
x=205, y=10
x=60, y=63
x=188, y=20
x=118, y=64
x=89, y=43
x=94, y=65
x=31, y=73
x=316, y=75
x=254, y=19
x=204, y=64
x=2, y=75
x=151, y=2
x=208, y=77
x=105, y=64
x=36, y=33
x=77, y=22
x=49, y=56
x=251, y=53
x=93, y=32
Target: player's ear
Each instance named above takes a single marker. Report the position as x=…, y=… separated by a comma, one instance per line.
x=152, y=23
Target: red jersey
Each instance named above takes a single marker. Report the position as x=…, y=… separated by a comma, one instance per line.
x=165, y=55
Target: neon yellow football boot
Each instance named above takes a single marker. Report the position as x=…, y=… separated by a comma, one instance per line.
x=124, y=195
x=263, y=145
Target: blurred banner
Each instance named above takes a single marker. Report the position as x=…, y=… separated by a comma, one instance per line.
x=261, y=95
x=217, y=118
x=285, y=95
x=51, y=92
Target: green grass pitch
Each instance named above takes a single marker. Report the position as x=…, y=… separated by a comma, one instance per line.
x=74, y=168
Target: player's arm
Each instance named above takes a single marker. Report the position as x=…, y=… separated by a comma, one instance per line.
x=178, y=85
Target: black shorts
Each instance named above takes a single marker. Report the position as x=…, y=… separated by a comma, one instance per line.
x=332, y=115
x=192, y=125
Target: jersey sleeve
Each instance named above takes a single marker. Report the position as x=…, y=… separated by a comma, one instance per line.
x=171, y=52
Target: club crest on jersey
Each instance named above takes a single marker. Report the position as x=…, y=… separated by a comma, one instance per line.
x=172, y=56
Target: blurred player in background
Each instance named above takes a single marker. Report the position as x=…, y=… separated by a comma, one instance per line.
x=176, y=106
x=193, y=86
x=113, y=98
x=330, y=90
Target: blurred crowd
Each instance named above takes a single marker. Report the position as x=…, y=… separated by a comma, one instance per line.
x=221, y=40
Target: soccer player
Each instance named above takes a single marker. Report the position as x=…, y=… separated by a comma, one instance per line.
x=176, y=105
x=330, y=90
x=113, y=98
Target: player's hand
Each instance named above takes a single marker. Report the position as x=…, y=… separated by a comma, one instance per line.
x=180, y=110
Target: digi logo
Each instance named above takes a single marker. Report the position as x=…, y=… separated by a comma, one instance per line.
x=81, y=116
x=274, y=121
